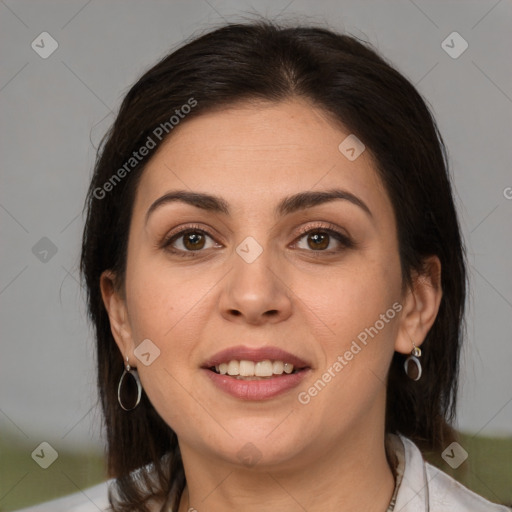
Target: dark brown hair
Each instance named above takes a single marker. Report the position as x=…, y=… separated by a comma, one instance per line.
x=348, y=80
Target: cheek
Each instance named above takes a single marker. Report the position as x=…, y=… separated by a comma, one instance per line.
x=157, y=299
x=359, y=323
x=354, y=296
x=165, y=308
x=170, y=307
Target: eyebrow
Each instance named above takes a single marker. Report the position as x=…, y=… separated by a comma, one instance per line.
x=286, y=206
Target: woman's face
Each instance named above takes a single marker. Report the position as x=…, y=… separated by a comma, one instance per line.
x=249, y=280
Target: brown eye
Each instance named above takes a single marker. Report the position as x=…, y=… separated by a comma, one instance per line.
x=318, y=241
x=188, y=242
x=193, y=240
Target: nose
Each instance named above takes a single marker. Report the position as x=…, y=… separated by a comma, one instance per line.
x=255, y=292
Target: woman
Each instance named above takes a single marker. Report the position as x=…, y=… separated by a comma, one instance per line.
x=276, y=276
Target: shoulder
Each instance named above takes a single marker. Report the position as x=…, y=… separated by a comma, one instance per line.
x=92, y=499
x=426, y=488
x=450, y=495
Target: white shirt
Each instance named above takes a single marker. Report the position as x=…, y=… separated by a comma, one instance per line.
x=423, y=488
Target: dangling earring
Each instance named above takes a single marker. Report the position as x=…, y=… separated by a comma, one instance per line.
x=412, y=365
x=133, y=373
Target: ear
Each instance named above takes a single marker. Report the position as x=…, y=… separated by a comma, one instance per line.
x=115, y=305
x=420, y=306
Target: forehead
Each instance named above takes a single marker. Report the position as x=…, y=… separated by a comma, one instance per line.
x=255, y=153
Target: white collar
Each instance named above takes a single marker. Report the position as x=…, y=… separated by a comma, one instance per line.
x=425, y=488
x=413, y=493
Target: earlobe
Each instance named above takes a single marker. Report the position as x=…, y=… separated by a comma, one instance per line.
x=116, y=308
x=421, y=305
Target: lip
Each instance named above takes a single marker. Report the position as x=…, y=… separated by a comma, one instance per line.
x=256, y=389
x=243, y=352
x=263, y=389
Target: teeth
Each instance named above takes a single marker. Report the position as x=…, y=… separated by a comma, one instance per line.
x=263, y=368
x=278, y=367
x=233, y=368
x=246, y=368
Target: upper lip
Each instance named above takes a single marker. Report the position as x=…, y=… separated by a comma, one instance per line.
x=243, y=352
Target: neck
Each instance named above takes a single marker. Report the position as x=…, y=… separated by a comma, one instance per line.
x=353, y=476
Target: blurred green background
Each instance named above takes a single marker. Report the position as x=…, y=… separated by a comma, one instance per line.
x=487, y=471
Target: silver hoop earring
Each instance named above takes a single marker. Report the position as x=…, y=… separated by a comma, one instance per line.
x=412, y=365
x=133, y=373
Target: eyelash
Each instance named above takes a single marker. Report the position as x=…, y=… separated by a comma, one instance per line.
x=328, y=229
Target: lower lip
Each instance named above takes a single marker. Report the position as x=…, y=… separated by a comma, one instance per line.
x=263, y=389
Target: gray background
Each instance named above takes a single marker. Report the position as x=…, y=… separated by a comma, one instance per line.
x=54, y=112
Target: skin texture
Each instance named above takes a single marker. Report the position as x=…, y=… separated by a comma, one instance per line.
x=327, y=455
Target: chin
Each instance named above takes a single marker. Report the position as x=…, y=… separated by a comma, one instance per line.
x=259, y=446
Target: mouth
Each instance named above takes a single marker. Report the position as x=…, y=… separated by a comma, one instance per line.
x=255, y=374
